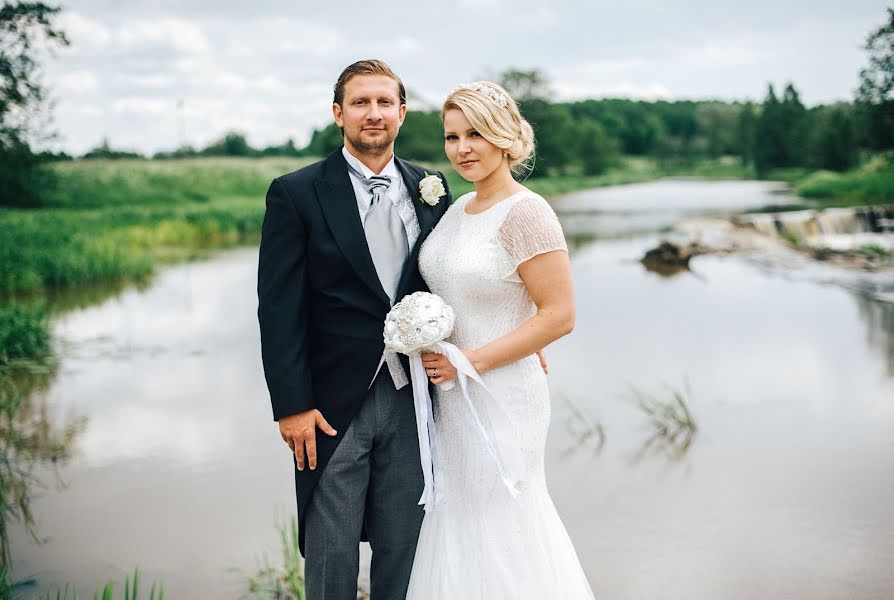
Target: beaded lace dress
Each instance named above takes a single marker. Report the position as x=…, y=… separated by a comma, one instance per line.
x=480, y=543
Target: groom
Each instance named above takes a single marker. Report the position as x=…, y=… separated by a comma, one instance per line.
x=339, y=246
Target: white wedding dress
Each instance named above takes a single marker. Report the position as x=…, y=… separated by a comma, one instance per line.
x=479, y=543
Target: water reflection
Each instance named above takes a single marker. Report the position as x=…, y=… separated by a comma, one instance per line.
x=879, y=319
x=31, y=436
x=584, y=432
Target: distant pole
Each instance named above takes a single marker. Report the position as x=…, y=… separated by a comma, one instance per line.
x=181, y=126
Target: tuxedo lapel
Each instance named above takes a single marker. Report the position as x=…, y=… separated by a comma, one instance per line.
x=339, y=205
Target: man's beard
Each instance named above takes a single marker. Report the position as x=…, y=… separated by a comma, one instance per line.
x=376, y=147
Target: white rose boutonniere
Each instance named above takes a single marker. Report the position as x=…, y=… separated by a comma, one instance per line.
x=431, y=189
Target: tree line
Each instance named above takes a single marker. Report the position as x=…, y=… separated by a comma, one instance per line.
x=587, y=136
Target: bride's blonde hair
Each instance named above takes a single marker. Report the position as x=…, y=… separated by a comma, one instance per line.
x=493, y=113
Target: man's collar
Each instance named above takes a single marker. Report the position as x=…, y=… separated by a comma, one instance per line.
x=390, y=169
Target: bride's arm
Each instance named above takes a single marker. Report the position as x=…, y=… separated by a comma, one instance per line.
x=547, y=278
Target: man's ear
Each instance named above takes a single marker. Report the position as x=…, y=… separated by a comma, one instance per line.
x=403, y=113
x=336, y=112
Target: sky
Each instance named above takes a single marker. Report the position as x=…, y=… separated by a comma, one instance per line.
x=152, y=75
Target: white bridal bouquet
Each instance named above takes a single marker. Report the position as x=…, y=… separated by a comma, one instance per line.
x=422, y=322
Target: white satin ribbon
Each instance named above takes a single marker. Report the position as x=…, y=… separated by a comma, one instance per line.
x=504, y=447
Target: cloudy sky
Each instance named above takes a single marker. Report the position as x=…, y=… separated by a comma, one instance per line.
x=152, y=74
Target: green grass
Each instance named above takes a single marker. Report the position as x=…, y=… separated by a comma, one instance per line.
x=106, y=592
x=24, y=333
x=672, y=423
x=870, y=183
x=130, y=183
x=285, y=582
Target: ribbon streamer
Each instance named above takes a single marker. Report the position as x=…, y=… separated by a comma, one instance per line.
x=504, y=448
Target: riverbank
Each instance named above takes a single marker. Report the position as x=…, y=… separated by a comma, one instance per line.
x=113, y=223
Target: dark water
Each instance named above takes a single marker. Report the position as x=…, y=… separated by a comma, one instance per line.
x=786, y=490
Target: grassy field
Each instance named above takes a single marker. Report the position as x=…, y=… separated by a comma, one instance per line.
x=871, y=183
x=117, y=220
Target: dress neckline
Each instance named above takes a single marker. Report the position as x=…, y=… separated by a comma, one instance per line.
x=489, y=208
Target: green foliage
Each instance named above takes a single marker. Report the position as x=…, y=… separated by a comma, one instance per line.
x=875, y=96
x=326, y=140
x=746, y=133
x=421, y=137
x=25, y=31
x=781, y=132
x=833, y=138
x=871, y=183
x=672, y=422
x=596, y=151
x=5, y=584
x=137, y=213
x=107, y=591
x=525, y=85
x=232, y=143
x=104, y=151
x=719, y=122
x=556, y=136
x=24, y=332
x=285, y=582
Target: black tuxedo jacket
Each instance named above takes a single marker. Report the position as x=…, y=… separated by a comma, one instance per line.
x=321, y=307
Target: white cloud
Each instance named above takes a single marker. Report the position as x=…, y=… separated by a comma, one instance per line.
x=177, y=34
x=145, y=106
x=154, y=81
x=80, y=81
x=83, y=31
x=622, y=89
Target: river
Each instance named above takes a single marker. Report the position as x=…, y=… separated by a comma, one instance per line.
x=785, y=490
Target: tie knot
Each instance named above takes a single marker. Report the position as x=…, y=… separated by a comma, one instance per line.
x=377, y=183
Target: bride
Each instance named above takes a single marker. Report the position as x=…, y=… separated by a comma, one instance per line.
x=499, y=258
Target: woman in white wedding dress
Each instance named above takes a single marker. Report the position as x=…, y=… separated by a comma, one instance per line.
x=499, y=258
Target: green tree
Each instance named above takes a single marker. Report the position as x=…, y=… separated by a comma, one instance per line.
x=525, y=85
x=717, y=122
x=25, y=28
x=769, y=145
x=104, y=150
x=596, y=150
x=232, y=143
x=325, y=140
x=794, y=129
x=833, y=138
x=421, y=137
x=555, y=133
x=746, y=132
x=875, y=96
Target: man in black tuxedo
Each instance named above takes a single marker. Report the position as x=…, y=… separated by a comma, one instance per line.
x=339, y=246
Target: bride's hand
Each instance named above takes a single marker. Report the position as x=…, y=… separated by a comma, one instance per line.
x=438, y=368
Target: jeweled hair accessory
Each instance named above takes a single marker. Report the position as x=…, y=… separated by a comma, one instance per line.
x=488, y=90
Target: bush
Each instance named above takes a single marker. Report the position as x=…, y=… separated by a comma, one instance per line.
x=24, y=332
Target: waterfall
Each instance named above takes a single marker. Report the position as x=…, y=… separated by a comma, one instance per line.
x=839, y=228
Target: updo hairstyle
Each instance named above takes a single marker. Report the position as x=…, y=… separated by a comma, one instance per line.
x=493, y=113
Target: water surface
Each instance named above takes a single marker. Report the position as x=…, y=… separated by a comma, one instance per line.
x=785, y=491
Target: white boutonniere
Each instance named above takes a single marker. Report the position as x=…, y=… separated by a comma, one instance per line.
x=431, y=189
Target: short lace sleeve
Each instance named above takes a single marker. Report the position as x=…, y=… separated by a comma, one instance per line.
x=531, y=228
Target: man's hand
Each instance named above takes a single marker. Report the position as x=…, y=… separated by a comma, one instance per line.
x=299, y=431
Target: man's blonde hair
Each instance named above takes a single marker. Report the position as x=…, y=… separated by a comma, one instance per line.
x=366, y=67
